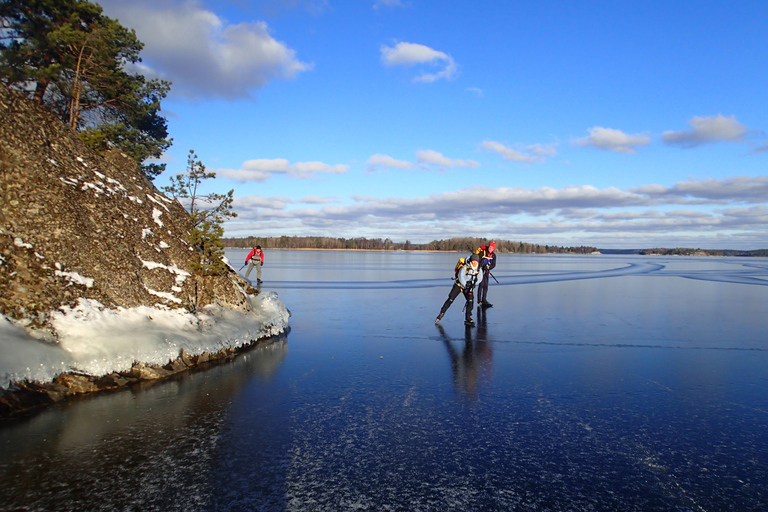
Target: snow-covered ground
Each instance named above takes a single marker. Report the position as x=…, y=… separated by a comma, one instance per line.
x=96, y=340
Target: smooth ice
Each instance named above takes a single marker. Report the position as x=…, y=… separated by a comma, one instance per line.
x=594, y=383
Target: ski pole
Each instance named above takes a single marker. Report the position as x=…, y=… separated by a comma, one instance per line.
x=494, y=277
x=244, y=264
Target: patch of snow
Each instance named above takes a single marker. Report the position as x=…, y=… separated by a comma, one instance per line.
x=79, y=159
x=18, y=242
x=68, y=181
x=39, y=256
x=157, y=203
x=146, y=232
x=74, y=277
x=97, y=173
x=99, y=341
x=135, y=199
x=173, y=268
x=54, y=162
x=156, y=215
x=163, y=295
x=87, y=185
x=163, y=245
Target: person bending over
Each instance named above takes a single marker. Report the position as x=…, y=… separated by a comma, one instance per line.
x=468, y=277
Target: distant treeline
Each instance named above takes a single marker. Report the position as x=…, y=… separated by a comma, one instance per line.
x=683, y=251
x=377, y=244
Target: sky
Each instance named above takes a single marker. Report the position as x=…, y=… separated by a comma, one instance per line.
x=616, y=124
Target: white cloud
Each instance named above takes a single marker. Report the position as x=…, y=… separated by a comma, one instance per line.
x=610, y=139
x=386, y=161
x=202, y=54
x=411, y=54
x=741, y=189
x=508, y=153
x=242, y=175
x=433, y=157
x=475, y=90
x=708, y=130
x=262, y=169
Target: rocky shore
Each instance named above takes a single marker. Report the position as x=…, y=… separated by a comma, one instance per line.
x=76, y=226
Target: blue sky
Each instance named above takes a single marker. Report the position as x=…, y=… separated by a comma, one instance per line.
x=613, y=124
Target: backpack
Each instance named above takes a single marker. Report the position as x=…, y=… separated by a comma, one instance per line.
x=461, y=263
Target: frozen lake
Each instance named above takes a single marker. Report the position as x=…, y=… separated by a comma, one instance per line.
x=595, y=383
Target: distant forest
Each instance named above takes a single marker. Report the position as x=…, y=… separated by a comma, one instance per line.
x=377, y=244
x=703, y=252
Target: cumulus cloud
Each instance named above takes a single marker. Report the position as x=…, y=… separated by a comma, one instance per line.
x=262, y=169
x=514, y=155
x=202, y=54
x=708, y=130
x=378, y=160
x=429, y=156
x=412, y=54
x=610, y=139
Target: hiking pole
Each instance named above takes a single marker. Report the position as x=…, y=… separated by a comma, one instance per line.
x=244, y=264
x=494, y=277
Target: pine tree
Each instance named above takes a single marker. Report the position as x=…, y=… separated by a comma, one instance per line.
x=66, y=55
x=207, y=211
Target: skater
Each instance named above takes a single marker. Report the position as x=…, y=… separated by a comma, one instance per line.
x=256, y=259
x=468, y=276
x=487, y=263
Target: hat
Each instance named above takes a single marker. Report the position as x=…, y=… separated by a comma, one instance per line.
x=474, y=257
x=492, y=244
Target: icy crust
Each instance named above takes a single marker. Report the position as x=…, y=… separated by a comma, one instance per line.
x=98, y=341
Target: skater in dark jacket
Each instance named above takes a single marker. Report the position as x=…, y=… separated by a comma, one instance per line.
x=487, y=263
x=468, y=277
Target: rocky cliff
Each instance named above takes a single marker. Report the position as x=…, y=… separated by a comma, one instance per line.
x=75, y=226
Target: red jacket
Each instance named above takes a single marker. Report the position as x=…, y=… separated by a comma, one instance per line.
x=252, y=253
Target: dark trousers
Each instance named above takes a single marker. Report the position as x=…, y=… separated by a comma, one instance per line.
x=482, y=290
x=455, y=291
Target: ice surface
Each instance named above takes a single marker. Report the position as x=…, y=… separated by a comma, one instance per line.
x=97, y=341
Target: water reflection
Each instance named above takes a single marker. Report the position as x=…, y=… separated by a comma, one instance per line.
x=472, y=365
x=149, y=447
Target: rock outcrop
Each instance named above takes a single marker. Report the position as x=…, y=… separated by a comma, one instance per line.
x=74, y=224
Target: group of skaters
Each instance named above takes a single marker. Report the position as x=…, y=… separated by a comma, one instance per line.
x=474, y=272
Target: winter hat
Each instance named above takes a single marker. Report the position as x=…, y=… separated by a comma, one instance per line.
x=492, y=244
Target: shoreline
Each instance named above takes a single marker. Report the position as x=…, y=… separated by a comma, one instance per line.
x=24, y=399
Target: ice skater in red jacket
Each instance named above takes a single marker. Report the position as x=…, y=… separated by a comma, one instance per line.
x=256, y=259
